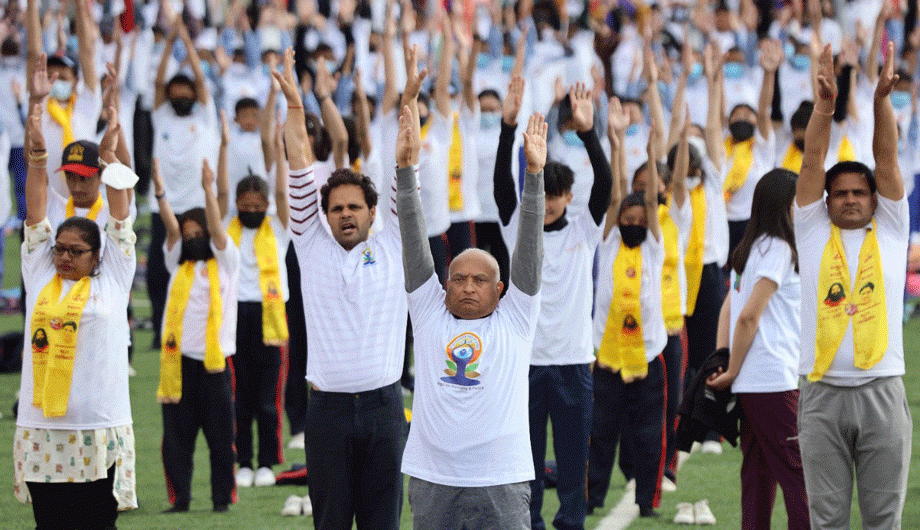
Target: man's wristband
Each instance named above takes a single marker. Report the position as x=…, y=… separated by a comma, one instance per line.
x=38, y=158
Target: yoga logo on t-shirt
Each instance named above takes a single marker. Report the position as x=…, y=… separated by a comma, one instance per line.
x=463, y=353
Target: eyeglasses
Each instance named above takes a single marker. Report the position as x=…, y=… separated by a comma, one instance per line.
x=73, y=251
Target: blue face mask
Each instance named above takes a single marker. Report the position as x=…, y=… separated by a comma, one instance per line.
x=61, y=90
x=507, y=63
x=800, y=61
x=788, y=49
x=482, y=60
x=571, y=138
x=207, y=69
x=900, y=99
x=490, y=120
x=695, y=71
x=733, y=70
x=632, y=130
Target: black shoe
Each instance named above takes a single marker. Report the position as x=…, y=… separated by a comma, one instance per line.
x=648, y=512
x=177, y=508
x=221, y=508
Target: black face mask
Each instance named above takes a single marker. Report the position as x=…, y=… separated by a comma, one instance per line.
x=422, y=120
x=799, y=143
x=633, y=235
x=196, y=249
x=741, y=130
x=252, y=219
x=182, y=106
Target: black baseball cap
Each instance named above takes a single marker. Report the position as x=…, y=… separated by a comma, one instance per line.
x=81, y=157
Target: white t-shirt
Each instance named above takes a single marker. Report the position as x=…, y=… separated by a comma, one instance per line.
x=738, y=208
x=486, y=149
x=195, y=319
x=180, y=144
x=772, y=361
x=471, y=429
x=433, y=174
x=249, y=289
x=99, y=396
x=85, y=118
x=576, y=158
x=794, y=88
x=812, y=232
x=716, y=238
x=57, y=211
x=13, y=68
x=566, y=290
x=636, y=147
x=653, y=331
x=683, y=219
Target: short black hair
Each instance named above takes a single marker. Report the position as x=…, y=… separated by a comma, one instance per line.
x=849, y=167
x=489, y=92
x=197, y=215
x=741, y=105
x=62, y=61
x=800, y=117
x=664, y=173
x=354, y=147
x=252, y=183
x=88, y=230
x=181, y=79
x=322, y=142
x=346, y=177
x=558, y=179
x=633, y=199
x=695, y=161
x=10, y=47
x=246, y=103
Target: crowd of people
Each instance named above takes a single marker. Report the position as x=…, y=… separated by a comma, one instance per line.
x=576, y=213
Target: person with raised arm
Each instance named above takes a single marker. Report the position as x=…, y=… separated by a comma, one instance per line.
x=853, y=411
x=355, y=426
x=74, y=441
x=459, y=477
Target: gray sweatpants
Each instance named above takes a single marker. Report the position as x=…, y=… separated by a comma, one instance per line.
x=865, y=428
x=439, y=507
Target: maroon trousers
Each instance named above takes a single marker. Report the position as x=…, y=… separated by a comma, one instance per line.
x=770, y=449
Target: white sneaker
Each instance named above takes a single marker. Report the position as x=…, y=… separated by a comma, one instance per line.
x=702, y=513
x=684, y=513
x=292, y=506
x=695, y=447
x=682, y=457
x=244, y=477
x=296, y=442
x=307, y=505
x=668, y=484
x=712, y=447
x=631, y=485
x=264, y=477
x=131, y=371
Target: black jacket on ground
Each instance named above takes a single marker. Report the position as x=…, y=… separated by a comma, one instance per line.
x=704, y=409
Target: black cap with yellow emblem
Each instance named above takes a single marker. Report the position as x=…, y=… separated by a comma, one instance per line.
x=81, y=157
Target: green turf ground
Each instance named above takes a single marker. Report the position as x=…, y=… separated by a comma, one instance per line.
x=703, y=476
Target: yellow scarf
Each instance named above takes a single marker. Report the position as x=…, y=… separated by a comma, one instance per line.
x=274, y=319
x=835, y=305
x=63, y=116
x=793, y=159
x=670, y=278
x=693, y=259
x=170, y=389
x=742, y=156
x=455, y=168
x=93, y=210
x=56, y=321
x=622, y=347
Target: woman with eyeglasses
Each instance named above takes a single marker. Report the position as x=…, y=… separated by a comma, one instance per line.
x=74, y=443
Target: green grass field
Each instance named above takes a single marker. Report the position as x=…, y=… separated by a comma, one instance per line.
x=704, y=476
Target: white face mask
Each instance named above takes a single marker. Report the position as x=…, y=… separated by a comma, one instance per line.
x=699, y=144
x=61, y=90
x=693, y=182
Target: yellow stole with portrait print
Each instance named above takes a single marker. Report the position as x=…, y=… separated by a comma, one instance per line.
x=52, y=364
x=274, y=318
x=670, y=277
x=741, y=155
x=838, y=304
x=170, y=388
x=622, y=346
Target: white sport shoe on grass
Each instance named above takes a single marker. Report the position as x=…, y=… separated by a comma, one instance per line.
x=264, y=477
x=244, y=477
x=711, y=447
x=668, y=484
x=684, y=514
x=292, y=506
x=702, y=513
x=296, y=442
x=631, y=485
x=307, y=505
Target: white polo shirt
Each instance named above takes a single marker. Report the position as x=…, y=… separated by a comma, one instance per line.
x=812, y=232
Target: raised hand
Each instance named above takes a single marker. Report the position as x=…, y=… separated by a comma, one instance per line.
x=287, y=81
x=408, y=143
x=41, y=83
x=414, y=78
x=650, y=68
x=771, y=55
x=582, y=107
x=36, y=140
x=535, y=143
x=109, y=142
x=325, y=84
x=617, y=118
x=849, y=53
x=887, y=78
x=827, y=80
x=225, y=127
x=511, y=106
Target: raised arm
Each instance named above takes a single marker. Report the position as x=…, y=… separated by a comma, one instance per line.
x=86, y=39
x=655, y=108
x=223, y=179
x=504, y=190
x=281, y=177
x=676, y=126
x=362, y=114
x=617, y=121
x=527, y=261
x=810, y=184
x=442, y=83
x=119, y=206
x=324, y=88
x=267, y=127
x=872, y=58
x=885, y=141
x=211, y=209
x=34, y=48
x=651, y=186
x=467, y=66
x=771, y=55
x=713, y=131
x=390, y=97
x=201, y=88
x=299, y=151
x=583, y=115
x=173, y=231
x=160, y=90
x=37, y=174
x=681, y=165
